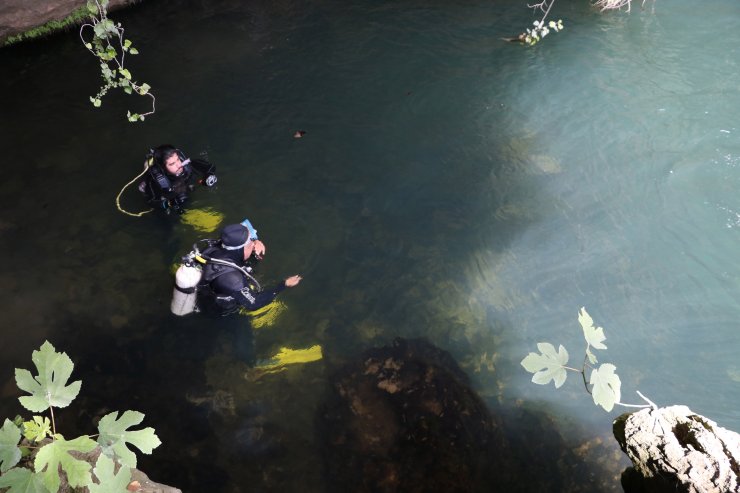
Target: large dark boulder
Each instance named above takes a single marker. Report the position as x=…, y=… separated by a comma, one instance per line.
x=403, y=418
x=673, y=449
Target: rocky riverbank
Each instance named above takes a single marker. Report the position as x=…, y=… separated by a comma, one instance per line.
x=21, y=16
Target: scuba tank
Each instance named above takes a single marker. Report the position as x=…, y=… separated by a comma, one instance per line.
x=187, y=278
x=189, y=275
x=184, y=295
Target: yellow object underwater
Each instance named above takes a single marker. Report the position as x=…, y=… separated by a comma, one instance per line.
x=288, y=356
x=205, y=220
x=265, y=316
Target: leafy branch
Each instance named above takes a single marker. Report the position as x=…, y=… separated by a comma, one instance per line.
x=602, y=383
x=107, y=43
x=49, y=389
x=539, y=30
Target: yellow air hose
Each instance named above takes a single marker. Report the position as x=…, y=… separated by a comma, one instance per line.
x=118, y=197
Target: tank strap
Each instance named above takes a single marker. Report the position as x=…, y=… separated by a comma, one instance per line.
x=185, y=290
x=163, y=182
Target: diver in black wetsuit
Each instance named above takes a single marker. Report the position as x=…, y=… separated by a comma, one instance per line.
x=171, y=177
x=227, y=283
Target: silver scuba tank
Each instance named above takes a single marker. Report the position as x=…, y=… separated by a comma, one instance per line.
x=184, y=294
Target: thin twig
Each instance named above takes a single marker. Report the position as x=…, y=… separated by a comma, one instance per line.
x=544, y=6
x=652, y=404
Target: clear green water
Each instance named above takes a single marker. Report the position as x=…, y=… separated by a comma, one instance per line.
x=450, y=186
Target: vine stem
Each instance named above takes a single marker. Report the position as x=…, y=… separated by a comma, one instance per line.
x=102, y=12
x=649, y=404
x=543, y=6
x=53, y=423
x=641, y=406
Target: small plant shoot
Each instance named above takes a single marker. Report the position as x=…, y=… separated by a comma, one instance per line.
x=37, y=429
x=603, y=383
x=50, y=454
x=104, y=39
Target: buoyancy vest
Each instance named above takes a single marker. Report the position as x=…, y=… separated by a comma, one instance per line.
x=170, y=187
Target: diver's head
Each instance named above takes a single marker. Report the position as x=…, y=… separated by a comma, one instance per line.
x=169, y=159
x=235, y=238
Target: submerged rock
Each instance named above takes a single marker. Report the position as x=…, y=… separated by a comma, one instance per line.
x=673, y=449
x=404, y=418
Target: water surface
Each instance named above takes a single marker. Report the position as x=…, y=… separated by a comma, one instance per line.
x=450, y=186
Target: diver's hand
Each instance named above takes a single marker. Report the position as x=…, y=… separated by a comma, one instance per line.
x=292, y=281
x=258, y=248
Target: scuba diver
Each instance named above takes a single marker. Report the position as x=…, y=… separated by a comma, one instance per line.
x=170, y=177
x=226, y=283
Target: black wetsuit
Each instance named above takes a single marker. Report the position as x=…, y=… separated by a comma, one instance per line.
x=165, y=191
x=225, y=289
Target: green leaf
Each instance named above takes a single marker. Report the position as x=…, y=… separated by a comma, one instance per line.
x=127, y=89
x=124, y=72
x=548, y=365
x=144, y=88
x=99, y=30
x=133, y=51
x=594, y=335
x=114, y=432
x=606, y=386
x=37, y=429
x=22, y=480
x=109, y=25
x=591, y=356
x=10, y=454
x=52, y=455
x=49, y=387
x=92, y=7
x=127, y=43
x=108, y=480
